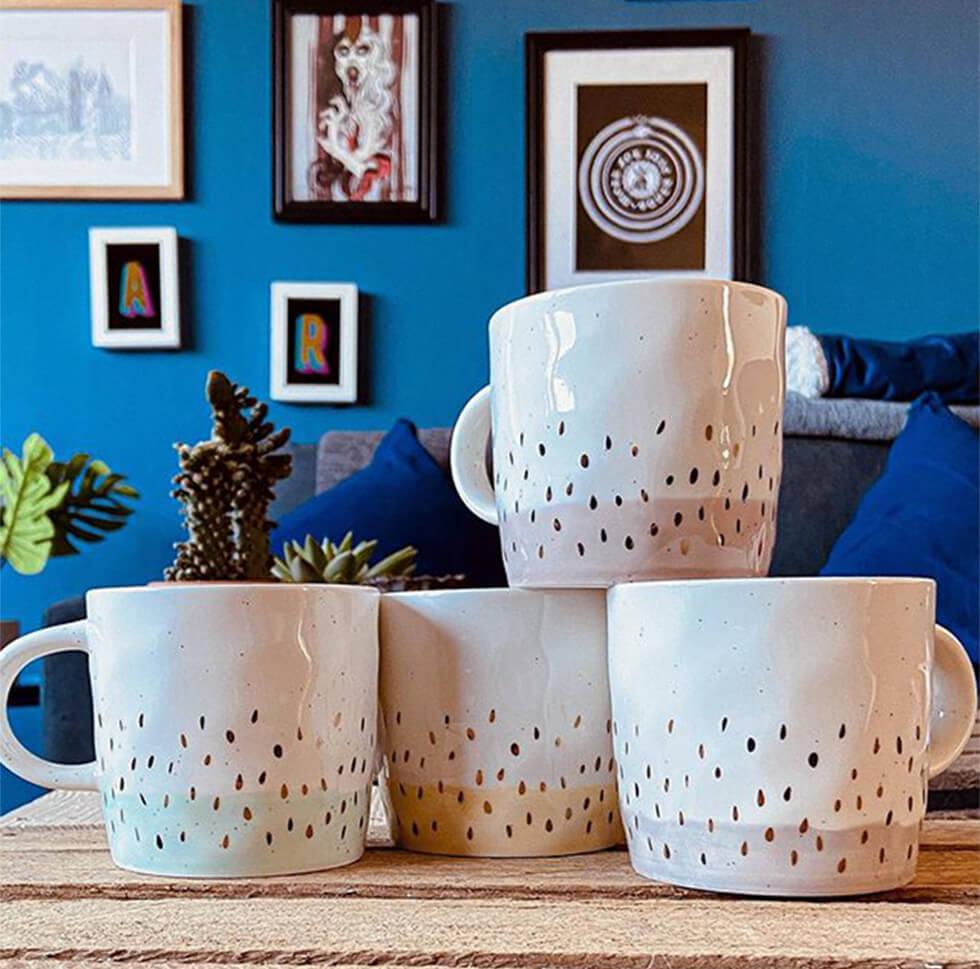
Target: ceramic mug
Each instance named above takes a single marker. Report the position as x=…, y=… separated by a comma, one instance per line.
x=496, y=719
x=777, y=736
x=636, y=432
x=234, y=724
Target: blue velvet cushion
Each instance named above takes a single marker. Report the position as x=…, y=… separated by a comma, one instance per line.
x=884, y=370
x=921, y=517
x=402, y=498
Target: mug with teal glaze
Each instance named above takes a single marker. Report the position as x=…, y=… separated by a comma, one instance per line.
x=235, y=724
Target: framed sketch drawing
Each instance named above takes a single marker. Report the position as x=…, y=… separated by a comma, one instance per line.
x=91, y=102
x=636, y=155
x=354, y=102
x=314, y=342
x=134, y=288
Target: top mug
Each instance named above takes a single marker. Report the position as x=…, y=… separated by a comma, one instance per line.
x=637, y=432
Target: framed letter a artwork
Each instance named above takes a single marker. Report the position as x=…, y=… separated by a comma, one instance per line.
x=134, y=288
x=636, y=156
x=314, y=343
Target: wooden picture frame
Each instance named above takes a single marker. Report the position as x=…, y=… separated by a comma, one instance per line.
x=314, y=343
x=94, y=128
x=135, y=288
x=389, y=175
x=629, y=65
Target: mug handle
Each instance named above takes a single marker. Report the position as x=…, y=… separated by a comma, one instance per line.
x=467, y=457
x=13, y=754
x=954, y=701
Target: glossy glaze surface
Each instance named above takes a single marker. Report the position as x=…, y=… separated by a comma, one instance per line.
x=788, y=744
x=637, y=432
x=234, y=724
x=497, y=722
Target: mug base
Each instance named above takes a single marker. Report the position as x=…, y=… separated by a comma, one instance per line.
x=504, y=823
x=246, y=868
x=779, y=860
x=505, y=852
x=774, y=886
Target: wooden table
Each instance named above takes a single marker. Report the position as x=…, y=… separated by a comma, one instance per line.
x=62, y=901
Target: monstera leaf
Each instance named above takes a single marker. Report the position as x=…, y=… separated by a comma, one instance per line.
x=26, y=529
x=92, y=506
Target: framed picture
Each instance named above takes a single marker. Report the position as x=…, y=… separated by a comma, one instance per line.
x=636, y=155
x=91, y=103
x=135, y=290
x=314, y=342
x=354, y=103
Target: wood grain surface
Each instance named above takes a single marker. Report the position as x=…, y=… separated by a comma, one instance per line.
x=62, y=902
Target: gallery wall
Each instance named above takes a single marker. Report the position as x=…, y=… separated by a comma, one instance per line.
x=867, y=173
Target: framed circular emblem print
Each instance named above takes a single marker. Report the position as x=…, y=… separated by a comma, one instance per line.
x=636, y=156
x=641, y=179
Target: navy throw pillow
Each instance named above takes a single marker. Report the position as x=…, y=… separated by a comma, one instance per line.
x=402, y=498
x=920, y=518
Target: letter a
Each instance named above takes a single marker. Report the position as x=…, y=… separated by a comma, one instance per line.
x=134, y=293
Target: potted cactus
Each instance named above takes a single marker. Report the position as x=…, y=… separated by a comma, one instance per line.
x=225, y=485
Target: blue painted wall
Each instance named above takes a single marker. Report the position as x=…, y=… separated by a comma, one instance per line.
x=869, y=172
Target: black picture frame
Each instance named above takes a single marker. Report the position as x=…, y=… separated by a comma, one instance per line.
x=539, y=45
x=423, y=210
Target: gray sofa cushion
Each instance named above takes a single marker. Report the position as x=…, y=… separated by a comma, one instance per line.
x=300, y=485
x=340, y=453
x=855, y=420
x=823, y=482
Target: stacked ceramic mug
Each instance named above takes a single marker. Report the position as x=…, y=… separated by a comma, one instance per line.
x=767, y=735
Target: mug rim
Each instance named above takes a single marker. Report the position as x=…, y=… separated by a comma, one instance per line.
x=639, y=282
x=494, y=592
x=770, y=581
x=197, y=588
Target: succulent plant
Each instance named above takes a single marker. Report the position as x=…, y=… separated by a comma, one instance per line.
x=225, y=486
x=343, y=563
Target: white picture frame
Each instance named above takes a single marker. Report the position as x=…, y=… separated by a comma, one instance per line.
x=296, y=355
x=114, y=327
x=637, y=156
x=106, y=78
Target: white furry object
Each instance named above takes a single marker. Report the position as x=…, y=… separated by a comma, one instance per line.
x=806, y=363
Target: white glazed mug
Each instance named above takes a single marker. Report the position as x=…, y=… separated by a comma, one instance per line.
x=497, y=723
x=636, y=432
x=777, y=736
x=234, y=724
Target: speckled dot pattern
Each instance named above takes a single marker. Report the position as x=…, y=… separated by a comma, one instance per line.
x=636, y=441
x=785, y=750
x=236, y=726
x=498, y=737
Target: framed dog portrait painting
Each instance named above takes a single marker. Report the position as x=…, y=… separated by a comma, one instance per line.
x=314, y=343
x=134, y=288
x=354, y=103
x=636, y=156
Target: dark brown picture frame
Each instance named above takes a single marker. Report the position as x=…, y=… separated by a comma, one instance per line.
x=539, y=45
x=424, y=209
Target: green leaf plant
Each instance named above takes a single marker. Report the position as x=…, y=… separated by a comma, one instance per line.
x=49, y=506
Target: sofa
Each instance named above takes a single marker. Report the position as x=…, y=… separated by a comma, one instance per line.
x=833, y=451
